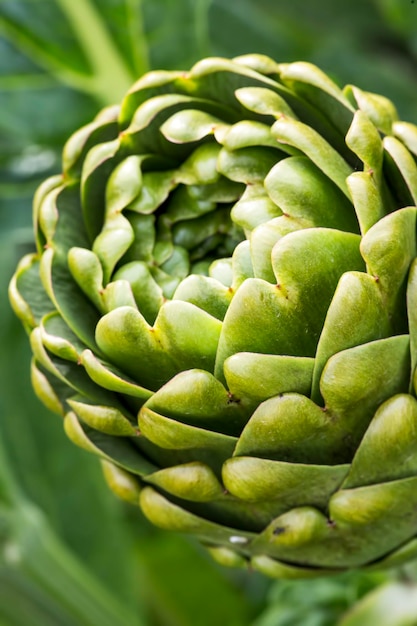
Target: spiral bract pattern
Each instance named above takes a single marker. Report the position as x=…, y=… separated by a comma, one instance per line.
x=223, y=307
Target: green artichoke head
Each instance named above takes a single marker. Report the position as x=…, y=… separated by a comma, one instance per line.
x=223, y=307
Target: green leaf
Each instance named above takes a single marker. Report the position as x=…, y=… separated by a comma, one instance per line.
x=312, y=602
x=387, y=452
x=394, y=604
x=313, y=85
x=52, y=582
x=255, y=479
x=312, y=144
x=168, y=347
x=356, y=315
x=196, y=397
x=179, y=594
x=300, y=189
x=260, y=376
x=84, y=65
x=190, y=442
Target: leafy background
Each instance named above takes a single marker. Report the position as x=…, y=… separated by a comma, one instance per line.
x=70, y=553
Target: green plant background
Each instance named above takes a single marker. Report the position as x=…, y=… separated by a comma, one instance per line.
x=70, y=553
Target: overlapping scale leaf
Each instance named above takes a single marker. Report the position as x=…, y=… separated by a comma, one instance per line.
x=222, y=307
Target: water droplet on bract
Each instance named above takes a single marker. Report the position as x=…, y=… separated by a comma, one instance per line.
x=237, y=539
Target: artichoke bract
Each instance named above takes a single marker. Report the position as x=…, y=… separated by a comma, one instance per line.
x=223, y=307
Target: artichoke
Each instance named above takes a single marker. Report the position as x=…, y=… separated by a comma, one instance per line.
x=223, y=307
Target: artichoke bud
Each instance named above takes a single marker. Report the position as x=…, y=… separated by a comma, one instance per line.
x=222, y=307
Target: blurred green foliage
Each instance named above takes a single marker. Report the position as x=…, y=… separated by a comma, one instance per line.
x=70, y=554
